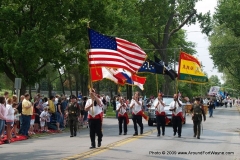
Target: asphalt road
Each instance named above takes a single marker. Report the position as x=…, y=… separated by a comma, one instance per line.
x=220, y=140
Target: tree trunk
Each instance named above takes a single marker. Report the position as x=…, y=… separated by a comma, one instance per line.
x=23, y=89
x=49, y=87
x=61, y=80
x=39, y=88
x=77, y=83
x=116, y=89
x=30, y=91
x=70, y=82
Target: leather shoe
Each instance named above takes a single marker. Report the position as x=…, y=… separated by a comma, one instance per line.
x=99, y=144
x=163, y=133
x=75, y=134
x=71, y=136
x=174, y=134
x=120, y=133
x=135, y=134
x=198, y=137
x=194, y=135
x=179, y=136
x=92, y=147
x=158, y=135
x=125, y=133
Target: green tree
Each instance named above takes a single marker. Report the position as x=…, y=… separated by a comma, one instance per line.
x=162, y=20
x=34, y=33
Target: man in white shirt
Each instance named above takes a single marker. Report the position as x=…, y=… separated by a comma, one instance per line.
x=94, y=108
x=136, y=106
x=176, y=108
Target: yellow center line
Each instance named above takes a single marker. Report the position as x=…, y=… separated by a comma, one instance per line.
x=96, y=151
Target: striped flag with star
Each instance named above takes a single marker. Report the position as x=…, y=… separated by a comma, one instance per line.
x=113, y=52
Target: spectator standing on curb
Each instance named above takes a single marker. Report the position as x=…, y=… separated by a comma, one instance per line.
x=19, y=108
x=9, y=119
x=3, y=115
x=27, y=112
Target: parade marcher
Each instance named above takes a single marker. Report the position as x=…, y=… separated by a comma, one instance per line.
x=73, y=114
x=198, y=112
x=177, y=118
x=136, y=106
x=122, y=116
x=160, y=115
x=94, y=108
x=211, y=106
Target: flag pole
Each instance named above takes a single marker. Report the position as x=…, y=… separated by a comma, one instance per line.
x=90, y=85
x=157, y=83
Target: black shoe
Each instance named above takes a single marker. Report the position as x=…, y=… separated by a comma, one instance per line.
x=75, y=134
x=179, y=136
x=198, y=137
x=125, y=133
x=135, y=134
x=174, y=134
x=71, y=136
x=92, y=147
x=7, y=142
x=99, y=144
x=163, y=133
x=120, y=133
x=194, y=135
x=158, y=135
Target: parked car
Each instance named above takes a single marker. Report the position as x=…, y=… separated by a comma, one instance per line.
x=167, y=101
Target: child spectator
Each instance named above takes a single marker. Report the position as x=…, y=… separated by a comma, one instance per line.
x=44, y=117
x=32, y=122
x=16, y=120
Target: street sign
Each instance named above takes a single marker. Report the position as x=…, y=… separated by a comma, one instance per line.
x=18, y=82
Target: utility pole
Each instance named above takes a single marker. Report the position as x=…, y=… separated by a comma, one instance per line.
x=174, y=68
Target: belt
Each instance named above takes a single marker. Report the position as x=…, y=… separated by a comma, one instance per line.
x=72, y=112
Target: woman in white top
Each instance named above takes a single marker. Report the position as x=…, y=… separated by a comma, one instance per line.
x=9, y=119
x=136, y=106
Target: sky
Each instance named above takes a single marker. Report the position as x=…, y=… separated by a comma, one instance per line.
x=194, y=34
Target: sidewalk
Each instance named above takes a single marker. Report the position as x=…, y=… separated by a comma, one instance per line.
x=21, y=137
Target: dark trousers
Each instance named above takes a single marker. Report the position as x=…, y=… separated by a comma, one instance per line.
x=122, y=120
x=197, y=128
x=177, y=124
x=137, y=119
x=26, y=119
x=210, y=112
x=73, y=125
x=95, y=126
x=20, y=127
x=161, y=122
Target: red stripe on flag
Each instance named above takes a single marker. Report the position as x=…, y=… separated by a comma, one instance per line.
x=96, y=74
x=139, y=79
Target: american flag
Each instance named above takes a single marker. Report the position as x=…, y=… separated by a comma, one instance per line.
x=113, y=52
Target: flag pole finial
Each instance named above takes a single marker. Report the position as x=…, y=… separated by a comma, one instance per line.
x=88, y=24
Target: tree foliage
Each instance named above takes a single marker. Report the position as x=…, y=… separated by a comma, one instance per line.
x=225, y=39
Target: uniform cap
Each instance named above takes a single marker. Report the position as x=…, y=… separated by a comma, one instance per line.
x=73, y=97
x=197, y=99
